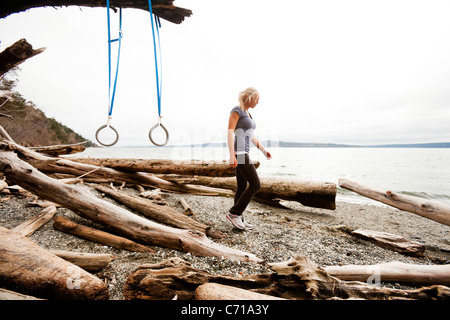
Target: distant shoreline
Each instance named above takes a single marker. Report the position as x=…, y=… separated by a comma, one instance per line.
x=287, y=144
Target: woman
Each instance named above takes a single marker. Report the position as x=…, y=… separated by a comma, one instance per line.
x=240, y=133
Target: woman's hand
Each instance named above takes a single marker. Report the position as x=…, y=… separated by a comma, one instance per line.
x=233, y=161
x=267, y=154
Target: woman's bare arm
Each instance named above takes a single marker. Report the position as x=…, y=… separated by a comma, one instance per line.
x=261, y=147
x=232, y=121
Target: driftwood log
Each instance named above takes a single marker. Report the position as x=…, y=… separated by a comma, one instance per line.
x=95, y=174
x=154, y=194
x=428, y=209
x=297, y=278
x=394, y=272
x=42, y=204
x=122, y=221
x=3, y=185
x=11, y=295
x=31, y=225
x=186, y=207
x=162, y=8
x=98, y=236
x=16, y=54
x=215, y=291
x=391, y=241
x=163, y=214
x=88, y=261
x=309, y=193
x=184, y=167
x=29, y=269
x=58, y=150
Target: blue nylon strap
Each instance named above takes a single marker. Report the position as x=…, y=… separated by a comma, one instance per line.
x=119, y=39
x=156, y=25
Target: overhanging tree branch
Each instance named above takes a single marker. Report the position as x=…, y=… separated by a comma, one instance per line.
x=16, y=54
x=162, y=8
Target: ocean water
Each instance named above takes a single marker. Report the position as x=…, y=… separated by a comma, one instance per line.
x=414, y=171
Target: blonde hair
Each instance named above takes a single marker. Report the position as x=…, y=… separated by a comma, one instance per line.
x=246, y=96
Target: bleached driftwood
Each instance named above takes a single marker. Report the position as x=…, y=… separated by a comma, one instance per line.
x=3, y=185
x=31, y=225
x=316, y=194
x=186, y=208
x=297, y=278
x=187, y=168
x=58, y=150
x=154, y=194
x=394, y=272
x=166, y=215
x=11, y=295
x=428, y=209
x=215, y=291
x=122, y=221
x=98, y=236
x=42, y=204
x=29, y=269
x=88, y=261
x=309, y=193
x=95, y=174
x=391, y=241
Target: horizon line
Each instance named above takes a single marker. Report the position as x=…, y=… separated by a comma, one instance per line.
x=291, y=144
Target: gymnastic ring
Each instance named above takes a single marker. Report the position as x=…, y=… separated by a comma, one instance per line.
x=165, y=130
x=103, y=127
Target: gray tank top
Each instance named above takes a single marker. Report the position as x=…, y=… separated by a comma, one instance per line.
x=244, y=131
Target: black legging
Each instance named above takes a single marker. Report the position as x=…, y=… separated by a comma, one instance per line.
x=245, y=174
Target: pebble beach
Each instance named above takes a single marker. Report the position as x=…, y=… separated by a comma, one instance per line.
x=278, y=235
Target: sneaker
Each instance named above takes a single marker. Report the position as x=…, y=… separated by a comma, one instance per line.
x=236, y=221
x=247, y=225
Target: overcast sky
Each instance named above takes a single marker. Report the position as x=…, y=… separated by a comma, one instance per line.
x=352, y=72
